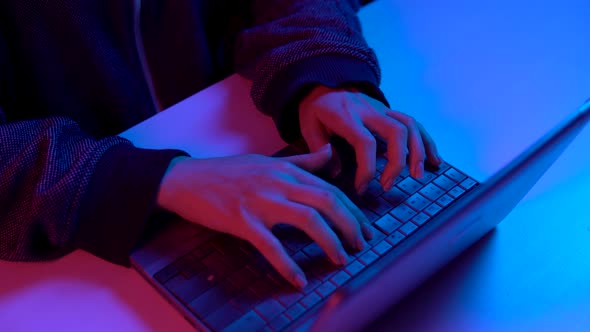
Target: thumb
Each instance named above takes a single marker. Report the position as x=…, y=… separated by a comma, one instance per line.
x=313, y=161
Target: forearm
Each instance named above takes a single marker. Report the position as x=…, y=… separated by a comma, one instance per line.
x=61, y=189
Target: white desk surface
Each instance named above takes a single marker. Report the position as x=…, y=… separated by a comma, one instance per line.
x=486, y=80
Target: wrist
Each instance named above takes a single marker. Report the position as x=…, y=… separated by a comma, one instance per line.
x=167, y=183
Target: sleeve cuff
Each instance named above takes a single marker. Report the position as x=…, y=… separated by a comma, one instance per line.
x=120, y=199
x=289, y=86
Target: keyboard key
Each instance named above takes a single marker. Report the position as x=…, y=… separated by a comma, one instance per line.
x=341, y=277
x=294, y=312
x=325, y=289
x=243, y=278
x=371, y=216
x=418, y=202
x=395, y=238
x=368, y=257
x=215, y=266
x=387, y=224
x=445, y=200
x=322, y=269
x=314, y=251
x=223, y=316
x=394, y=196
x=455, y=175
x=312, y=283
x=428, y=177
x=354, y=267
x=409, y=185
x=245, y=301
x=279, y=322
x=468, y=183
x=302, y=260
x=377, y=237
x=440, y=169
x=292, y=237
x=420, y=219
x=202, y=250
x=167, y=273
x=381, y=248
x=378, y=205
x=403, y=212
x=405, y=172
x=249, y=322
x=264, y=287
x=192, y=270
x=456, y=192
x=213, y=299
x=188, y=289
x=432, y=209
x=269, y=309
x=408, y=228
x=288, y=295
x=374, y=188
x=444, y=182
x=431, y=191
x=310, y=300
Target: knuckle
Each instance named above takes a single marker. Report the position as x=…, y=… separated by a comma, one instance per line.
x=310, y=217
x=396, y=129
x=284, y=166
x=411, y=121
x=366, y=141
x=327, y=198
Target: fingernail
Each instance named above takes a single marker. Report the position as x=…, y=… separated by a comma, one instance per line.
x=335, y=170
x=388, y=185
x=362, y=189
x=360, y=244
x=369, y=233
x=343, y=258
x=300, y=280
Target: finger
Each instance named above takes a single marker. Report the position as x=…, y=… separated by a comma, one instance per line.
x=432, y=154
x=415, y=143
x=313, y=224
x=272, y=249
x=316, y=137
x=396, y=136
x=332, y=208
x=364, y=145
x=316, y=182
x=313, y=161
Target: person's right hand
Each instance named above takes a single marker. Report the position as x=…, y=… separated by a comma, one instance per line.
x=247, y=195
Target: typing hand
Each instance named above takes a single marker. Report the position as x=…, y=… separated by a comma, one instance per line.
x=354, y=116
x=247, y=195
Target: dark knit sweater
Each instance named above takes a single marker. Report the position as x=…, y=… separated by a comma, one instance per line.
x=75, y=73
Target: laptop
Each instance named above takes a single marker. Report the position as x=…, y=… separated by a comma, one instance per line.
x=219, y=282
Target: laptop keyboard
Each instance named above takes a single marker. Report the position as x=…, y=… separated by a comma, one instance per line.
x=227, y=283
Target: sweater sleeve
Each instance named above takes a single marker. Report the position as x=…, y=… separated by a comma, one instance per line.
x=61, y=189
x=291, y=46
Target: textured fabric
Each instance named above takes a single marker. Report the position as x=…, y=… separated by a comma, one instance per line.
x=324, y=35
x=71, y=78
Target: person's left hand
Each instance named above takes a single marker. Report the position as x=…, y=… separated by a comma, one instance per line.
x=354, y=116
